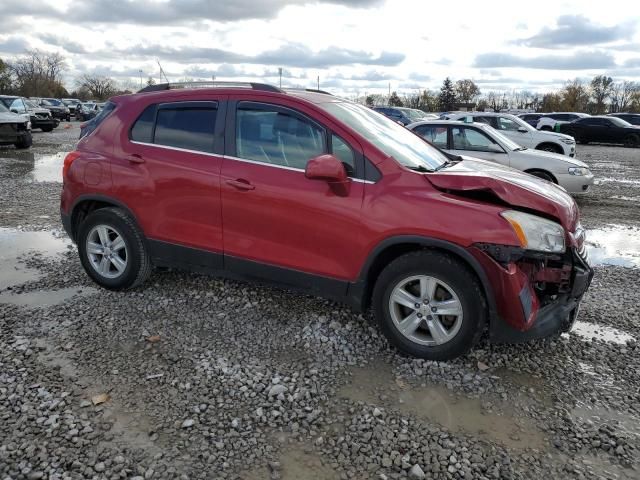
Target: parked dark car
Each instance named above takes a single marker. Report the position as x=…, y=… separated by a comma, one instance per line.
x=323, y=195
x=71, y=103
x=632, y=118
x=395, y=114
x=15, y=128
x=56, y=107
x=604, y=129
x=87, y=111
x=531, y=118
x=40, y=117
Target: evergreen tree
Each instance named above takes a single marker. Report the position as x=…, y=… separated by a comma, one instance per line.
x=447, y=96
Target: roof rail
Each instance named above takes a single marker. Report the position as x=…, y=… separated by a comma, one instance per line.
x=302, y=89
x=175, y=85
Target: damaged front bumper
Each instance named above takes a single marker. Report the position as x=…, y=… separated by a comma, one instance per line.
x=536, y=295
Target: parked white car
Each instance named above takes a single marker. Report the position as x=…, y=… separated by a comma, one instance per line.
x=549, y=121
x=521, y=132
x=482, y=141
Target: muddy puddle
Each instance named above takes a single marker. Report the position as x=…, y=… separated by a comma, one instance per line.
x=625, y=422
x=625, y=181
x=614, y=245
x=15, y=244
x=35, y=167
x=45, y=298
x=296, y=462
x=588, y=331
x=377, y=385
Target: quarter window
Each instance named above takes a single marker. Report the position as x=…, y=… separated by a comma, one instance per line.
x=276, y=137
x=142, y=130
x=190, y=128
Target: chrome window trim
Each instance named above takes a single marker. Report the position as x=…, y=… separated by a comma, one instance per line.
x=230, y=157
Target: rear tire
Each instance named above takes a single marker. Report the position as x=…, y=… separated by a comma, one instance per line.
x=546, y=129
x=112, y=249
x=430, y=279
x=46, y=129
x=632, y=140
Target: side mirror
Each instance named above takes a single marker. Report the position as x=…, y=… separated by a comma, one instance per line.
x=522, y=130
x=328, y=168
x=13, y=110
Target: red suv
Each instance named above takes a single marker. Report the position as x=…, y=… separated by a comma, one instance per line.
x=311, y=192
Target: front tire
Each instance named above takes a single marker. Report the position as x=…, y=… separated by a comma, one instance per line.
x=410, y=292
x=112, y=249
x=24, y=142
x=632, y=140
x=550, y=147
x=543, y=175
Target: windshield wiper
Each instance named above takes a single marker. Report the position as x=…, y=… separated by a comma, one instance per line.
x=444, y=165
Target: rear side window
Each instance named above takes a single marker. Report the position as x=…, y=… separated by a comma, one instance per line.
x=190, y=128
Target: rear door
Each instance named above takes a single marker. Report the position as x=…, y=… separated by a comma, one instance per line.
x=435, y=134
x=168, y=172
x=274, y=217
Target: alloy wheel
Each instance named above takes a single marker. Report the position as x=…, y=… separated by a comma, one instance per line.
x=425, y=310
x=107, y=251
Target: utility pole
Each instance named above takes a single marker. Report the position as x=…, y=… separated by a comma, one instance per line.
x=140, y=78
x=280, y=73
x=389, y=89
x=318, y=82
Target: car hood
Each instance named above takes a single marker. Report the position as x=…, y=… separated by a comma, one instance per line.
x=9, y=117
x=513, y=187
x=550, y=157
x=553, y=135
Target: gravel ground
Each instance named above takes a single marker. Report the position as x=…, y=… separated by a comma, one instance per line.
x=196, y=377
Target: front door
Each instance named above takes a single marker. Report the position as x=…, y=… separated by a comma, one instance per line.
x=474, y=143
x=273, y=216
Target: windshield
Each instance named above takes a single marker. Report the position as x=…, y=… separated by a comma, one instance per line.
x=6, y=103
x=52, y=101
x=506, y=142
x=618, y=122
x=414, y=114
x=390, y=137
x=31, y=103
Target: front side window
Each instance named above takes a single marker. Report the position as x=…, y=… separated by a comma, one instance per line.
x=434, y=134
x=190, y=128
x=505, y=123
x=471, y=139
x=344, y=153
x=276, y=137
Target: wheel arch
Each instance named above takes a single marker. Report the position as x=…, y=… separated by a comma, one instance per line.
x=531, y=171
x=557, y=147
x=85, y=204
x=393, y=247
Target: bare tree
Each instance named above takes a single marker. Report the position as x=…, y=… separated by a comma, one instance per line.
x=622, y=94
x=99, y=87
x=38, y=73
x=575, y=97
x=466, y=90
x=601, y=87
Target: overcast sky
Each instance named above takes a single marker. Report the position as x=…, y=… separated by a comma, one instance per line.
x=355, y=46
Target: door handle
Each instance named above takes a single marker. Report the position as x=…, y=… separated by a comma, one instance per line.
x=240, y=184
x=135, y=158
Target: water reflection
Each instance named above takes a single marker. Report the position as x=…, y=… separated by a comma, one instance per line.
x=614, y=245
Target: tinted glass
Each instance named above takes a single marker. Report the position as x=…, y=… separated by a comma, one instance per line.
x=343, y=151
x=142, y=130
x=190, y=128
x=276, y=137
x=435, y=134
x=471, y=139
x=618, y=122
